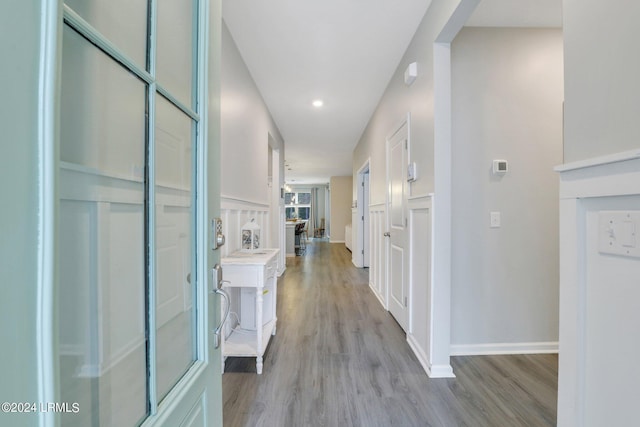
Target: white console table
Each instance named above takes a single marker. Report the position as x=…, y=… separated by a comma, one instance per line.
x=257, y=270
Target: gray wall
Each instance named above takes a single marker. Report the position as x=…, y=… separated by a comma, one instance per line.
x=602, y=89
x=507, y=104
x=19, y=215
x=246, y=125
x=341, y=188
x=396, y=102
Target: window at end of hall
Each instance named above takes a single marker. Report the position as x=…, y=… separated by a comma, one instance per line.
x=297, y=205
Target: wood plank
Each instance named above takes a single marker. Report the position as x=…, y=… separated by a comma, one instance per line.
x=339, y=359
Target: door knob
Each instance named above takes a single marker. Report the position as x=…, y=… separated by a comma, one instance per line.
x=387, y=234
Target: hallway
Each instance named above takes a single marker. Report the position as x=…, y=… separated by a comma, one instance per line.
x=339, y=359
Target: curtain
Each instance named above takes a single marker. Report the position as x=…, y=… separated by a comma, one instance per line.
x=313, y=215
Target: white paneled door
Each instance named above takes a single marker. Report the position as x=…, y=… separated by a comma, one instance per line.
x=397, y=225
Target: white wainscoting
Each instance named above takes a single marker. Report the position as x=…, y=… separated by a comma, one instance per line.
x=378, y=268
x=420, y=292
x=420, y=334
x=235, y=213
x=599, y=295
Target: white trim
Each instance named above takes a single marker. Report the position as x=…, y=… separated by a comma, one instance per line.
x=336, y=241
x=234, y=203
x=375, y=292
x=414, y=199
x=375, y=205
x=599, y=161
x=441, y=217
x=433, y=371
x=602, y=178
x=550, y=347
x=421, y=202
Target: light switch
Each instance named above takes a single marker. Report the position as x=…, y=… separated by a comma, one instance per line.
x=617, y=234
x=495, y=219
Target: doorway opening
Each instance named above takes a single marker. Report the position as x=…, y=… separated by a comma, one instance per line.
x=361, y=255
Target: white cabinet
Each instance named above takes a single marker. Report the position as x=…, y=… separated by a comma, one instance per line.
x=256, y=275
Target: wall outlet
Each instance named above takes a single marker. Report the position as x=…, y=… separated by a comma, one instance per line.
x=496, y=220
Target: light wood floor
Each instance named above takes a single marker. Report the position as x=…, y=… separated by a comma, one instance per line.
x=339, y=359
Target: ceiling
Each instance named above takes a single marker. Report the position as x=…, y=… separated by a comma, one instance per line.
x=517, y=13
x=343, y=52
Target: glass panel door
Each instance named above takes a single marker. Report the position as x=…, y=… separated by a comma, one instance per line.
x=102, y=333
x=175, y=312
x=128, y=276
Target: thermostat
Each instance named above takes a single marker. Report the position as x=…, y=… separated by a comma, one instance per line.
x=412, y=173
x=500, y=166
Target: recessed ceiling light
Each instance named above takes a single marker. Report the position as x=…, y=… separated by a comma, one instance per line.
x=318, y=103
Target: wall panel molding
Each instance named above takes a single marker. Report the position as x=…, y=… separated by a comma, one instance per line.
x=597, y=293
x=378, y=248
x=235, y=213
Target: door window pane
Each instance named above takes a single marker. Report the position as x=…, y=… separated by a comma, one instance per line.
x=174, y=67
x=175, y=321
x=103, y=111
x=101, y=246
x=123, y=22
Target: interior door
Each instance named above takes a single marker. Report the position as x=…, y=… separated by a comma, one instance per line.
x=138, y=186
x=397, y=223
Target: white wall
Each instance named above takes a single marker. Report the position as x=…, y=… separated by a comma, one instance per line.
x=341, y=188
x=245, y=130
x=602, y=65
x=246, y=125
x=507, y=104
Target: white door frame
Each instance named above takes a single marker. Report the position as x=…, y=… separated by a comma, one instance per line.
x=276, y=212
x=361, y=241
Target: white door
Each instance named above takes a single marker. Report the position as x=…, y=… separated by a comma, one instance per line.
x=397, y=222
x=136, y=194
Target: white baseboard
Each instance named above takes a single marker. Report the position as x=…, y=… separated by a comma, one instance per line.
x=504, y=348
x=382, y=303
x=433, y=371
x=336, y=241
